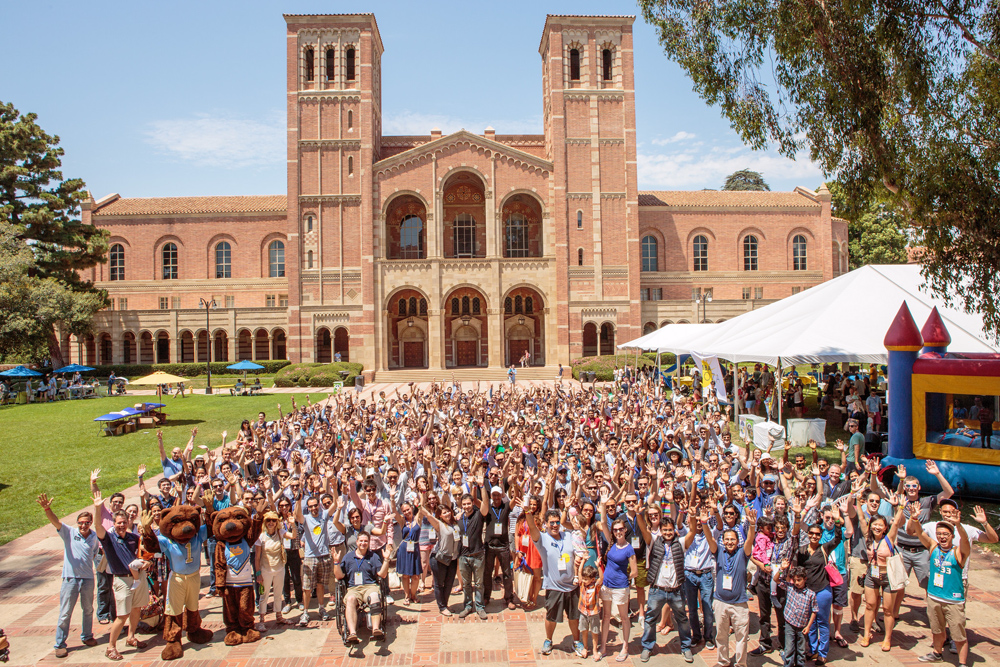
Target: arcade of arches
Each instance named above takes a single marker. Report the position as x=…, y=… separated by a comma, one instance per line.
x=159, y=347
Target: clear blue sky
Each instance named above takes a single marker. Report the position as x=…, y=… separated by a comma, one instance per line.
x=187, y=98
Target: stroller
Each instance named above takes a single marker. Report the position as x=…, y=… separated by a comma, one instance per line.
x=121, y=384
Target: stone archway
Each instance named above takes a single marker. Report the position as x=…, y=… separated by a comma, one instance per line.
x=524, y=327
x=465, y=327
x=407, y=325
x=413, y=347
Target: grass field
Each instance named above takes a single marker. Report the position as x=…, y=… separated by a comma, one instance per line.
x=52, y=447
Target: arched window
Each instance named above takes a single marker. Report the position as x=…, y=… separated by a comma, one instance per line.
x=518, y=304
x=309, y=259
x=411, y=238
x=649, y=262
x=606, y=64
x=350, y=65
x=310, y=56
x=750, y=253
x=700, y=253
x=413, y=305
x=223, y=260
x=350, y=119
x=579, y=219
x=466, y=303
x=508, y=306
x=276, y=259
x=574, y=64
x=529, y=305
x=331, y=64
x=475, y=306
x=799, y=253
x=423, y=306
x=310, y=220
x=465, y=235
x=455, y=308
x=402, y=307
x=579, y=256
x=170, y=261
x=116, y=261
x=350, y=165
x=516, y=236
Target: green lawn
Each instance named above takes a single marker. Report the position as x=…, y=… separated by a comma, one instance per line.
x=52, y=447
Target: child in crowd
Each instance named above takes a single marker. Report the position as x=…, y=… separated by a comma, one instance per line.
x=800, y=613
x=590, y=617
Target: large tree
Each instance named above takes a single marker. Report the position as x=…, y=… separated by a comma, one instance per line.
x=43, y=242
x=745, y=179
x=900, y=97
x=876, y=234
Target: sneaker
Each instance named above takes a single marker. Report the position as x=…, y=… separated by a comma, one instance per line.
x=304, y=621
x=482, y=614
x=688, y=656
x=951, y=646
x=302, y=607
x=62, y=652
x=465, y=612
x=710, y=645
x=931, y=657
x=763, y=649
x=580, y=649
x=547, y=647
x=325, y=616
x=286, y=609
x=855, y=627
x=645, y=655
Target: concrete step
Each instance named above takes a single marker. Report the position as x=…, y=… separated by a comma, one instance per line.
x=465, y=375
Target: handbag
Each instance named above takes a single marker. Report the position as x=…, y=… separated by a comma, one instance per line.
x=522, y=585
x=894, y=569
x=834, y=575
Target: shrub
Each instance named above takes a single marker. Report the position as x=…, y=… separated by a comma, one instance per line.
x=605, y=366
x=132, y=371
x=317, y=375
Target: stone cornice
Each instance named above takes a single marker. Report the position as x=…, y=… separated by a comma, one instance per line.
x=175, y=286
x=343, y=143
x=328, y=96
x=392, y=163
x=347, y=199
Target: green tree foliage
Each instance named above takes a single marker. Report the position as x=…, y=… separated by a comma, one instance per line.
x=900, y=97
x=876, y=234
x=43, y=239
x=745, y=179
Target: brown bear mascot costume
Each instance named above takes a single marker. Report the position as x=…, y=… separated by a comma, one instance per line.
x=236, y=533
x=180, y=540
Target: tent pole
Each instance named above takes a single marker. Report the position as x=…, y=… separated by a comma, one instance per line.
x=736, y=392
x=780, y=392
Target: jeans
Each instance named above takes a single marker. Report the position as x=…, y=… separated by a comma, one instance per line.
x=503, y=555
x=703, y=586
x=105, y=596
x=444, y=579
x=819, y=633
x=796, y=646
x=210, y=545
x=778, y=603
x=471, y=569
x=763, y=592
x=293, y=576
x=68, y=593
x=656, y=598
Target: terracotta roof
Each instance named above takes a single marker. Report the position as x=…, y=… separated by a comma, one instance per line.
x=725, y=198
x=187, y=205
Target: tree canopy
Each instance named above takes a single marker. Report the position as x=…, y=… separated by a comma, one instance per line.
x=43, y=243
x=899, y=97
x=745, y=179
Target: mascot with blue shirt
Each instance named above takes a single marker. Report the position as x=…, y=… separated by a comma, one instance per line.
x=236, y=533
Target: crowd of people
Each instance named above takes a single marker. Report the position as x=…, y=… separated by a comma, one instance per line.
x=623, y=503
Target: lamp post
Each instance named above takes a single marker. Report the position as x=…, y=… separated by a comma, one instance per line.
x=703, y=301
x=209, y=305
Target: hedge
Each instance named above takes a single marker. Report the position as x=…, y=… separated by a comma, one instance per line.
x=184, y=370
x=317, y=375
x=604, y=366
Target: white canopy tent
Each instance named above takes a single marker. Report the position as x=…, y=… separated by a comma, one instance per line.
x=667, y=338
x=841, y=320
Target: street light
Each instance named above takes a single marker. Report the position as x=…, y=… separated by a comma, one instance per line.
x=465, y=320
x=209, y=305
x=520, y=320
x=704, y=304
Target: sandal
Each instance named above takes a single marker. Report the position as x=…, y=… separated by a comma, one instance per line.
x=840, y=641
x=136, y=643
x=621, y=657
x=377, y=634
x=865, y=640
x=886, y=647
x=352, y=639
x=112, y=654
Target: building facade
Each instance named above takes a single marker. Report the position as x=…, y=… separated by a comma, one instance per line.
x=444, y=251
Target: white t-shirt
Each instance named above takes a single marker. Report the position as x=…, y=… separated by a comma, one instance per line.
x=974, y=534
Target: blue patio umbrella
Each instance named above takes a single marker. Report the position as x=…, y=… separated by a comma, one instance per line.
x=21, y=372
x=245, y=366
x=73, y=368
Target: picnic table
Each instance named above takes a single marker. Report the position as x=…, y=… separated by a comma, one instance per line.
x=129, y=419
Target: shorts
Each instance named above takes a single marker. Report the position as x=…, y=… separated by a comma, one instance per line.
x=615, y=596
x=944, y=615
x=857, y=571
x=362, y=592
x=840, y=594
x=127, y=599
x=316, y=571
x=881, y=581
x=640, y=576
x=557, y=602
x=182, y=593
x=590, y=623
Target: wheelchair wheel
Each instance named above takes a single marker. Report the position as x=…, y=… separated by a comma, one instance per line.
x=339, y=612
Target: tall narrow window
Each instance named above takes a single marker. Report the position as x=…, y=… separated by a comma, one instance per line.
x=529, y=305
x=309, y=223
x=350, y=165
x=350, y=119
x=799, y=253
x=649, y=261
x=606, y=64
x=700, y=253
x=310, y=57
x=475, y=306
x=223, y=260
x=402, y=307
x=331, y=64
x=116, y=260
x=750, y=253
x=350, y=65
x=170, y=261
x=413, y=305
x=455, y=306
x=411, y=238
x=579, y=256
x=508, y=306
x=579, y=219
x=516, y=236
x=309, y=259
x=518, y=304
x=466, y=304
x=574, y=64
x=276, y=259
x=465, y=235
x=423, y=307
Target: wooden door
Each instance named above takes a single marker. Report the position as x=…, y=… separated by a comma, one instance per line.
x=517, y=348
x=413, y=354
x=465, y=351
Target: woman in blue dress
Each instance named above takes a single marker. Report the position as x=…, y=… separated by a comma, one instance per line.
x=408, y=555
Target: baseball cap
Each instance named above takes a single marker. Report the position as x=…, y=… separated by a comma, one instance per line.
x=496, y=489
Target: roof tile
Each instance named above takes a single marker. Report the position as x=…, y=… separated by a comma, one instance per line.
x=189, y=205
x=726, y=198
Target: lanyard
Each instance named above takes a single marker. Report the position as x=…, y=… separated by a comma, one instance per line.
x=497, y=514
x=631, y=525
x=465, y=525
x=727, y=563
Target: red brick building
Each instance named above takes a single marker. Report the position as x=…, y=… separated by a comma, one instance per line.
x=443, y=251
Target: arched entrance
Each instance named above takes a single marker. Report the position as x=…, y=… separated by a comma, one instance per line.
x=261, y=347
x=128, y=348
x=407, y=325
x=278, y=345
x=146, y=355
x=244, y=347
x=607, y=339
x=106, y=349
x=648, y=328
x=590, y=339
x=187, y=347
x=324, y=346
x=524, y=327
x=341, y=344
x=465, y=327
x=89, y=350
x=203, y=348
x=221, y=346
x=163, y=348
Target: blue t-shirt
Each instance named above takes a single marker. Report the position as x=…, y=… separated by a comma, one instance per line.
x=367, y=566
x=315, y=539
x=731, y=576
x=184, y=559
x=78, y=553
x=617, y=571
x=120, y=551
x=221, y=504
x=557, y=561
x=171, y=467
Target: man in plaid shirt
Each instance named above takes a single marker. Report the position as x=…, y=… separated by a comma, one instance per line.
x=800, y=613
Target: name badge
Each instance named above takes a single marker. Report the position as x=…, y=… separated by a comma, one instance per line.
x=727, y=582
x=938, y=580
x=525, y=540
x=563, y=562
x=431, y=534
x=357, y=579
x=874, y=571
x=497, y=529
x=465, y=541
x=635, y=542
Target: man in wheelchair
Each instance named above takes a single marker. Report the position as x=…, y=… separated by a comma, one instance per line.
x=363, y=572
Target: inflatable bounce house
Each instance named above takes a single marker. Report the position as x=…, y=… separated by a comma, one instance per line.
x=942, y=406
